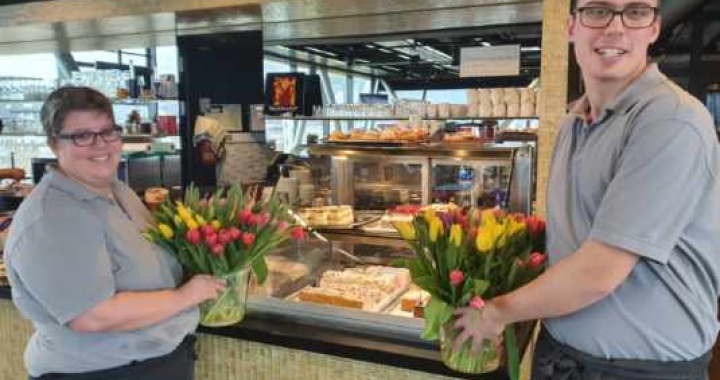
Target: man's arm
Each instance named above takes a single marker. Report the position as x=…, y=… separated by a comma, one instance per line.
x=581, y=279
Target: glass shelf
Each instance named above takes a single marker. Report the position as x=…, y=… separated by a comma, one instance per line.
x=374, y=118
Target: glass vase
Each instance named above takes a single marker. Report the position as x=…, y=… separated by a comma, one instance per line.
x=487, y=358
x=229, y=307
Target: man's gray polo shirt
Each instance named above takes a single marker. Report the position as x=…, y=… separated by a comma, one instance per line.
x=69, y=250
x=644, y=178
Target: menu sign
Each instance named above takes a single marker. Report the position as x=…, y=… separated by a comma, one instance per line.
x=490, y=61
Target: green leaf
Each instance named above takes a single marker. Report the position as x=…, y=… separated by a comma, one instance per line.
x=437, y=313
x=427, y=283
x=480, y=286
x=417, y=269
x=513, y=356
x=260, y=269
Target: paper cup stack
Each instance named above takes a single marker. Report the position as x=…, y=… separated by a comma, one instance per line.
x=501, y=102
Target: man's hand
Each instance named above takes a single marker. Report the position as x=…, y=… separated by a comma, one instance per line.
x=478, y=325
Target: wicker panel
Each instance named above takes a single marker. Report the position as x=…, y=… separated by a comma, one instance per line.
x=223, y=358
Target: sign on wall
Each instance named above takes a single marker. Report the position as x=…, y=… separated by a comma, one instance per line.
x=490, y=61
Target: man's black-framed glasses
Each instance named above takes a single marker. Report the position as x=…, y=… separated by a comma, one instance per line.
x=84, y=139
x=633, y=17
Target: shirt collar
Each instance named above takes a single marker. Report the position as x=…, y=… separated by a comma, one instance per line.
x=61, y=182
x=624, y=101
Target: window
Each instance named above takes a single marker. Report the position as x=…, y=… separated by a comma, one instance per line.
x=29, y=65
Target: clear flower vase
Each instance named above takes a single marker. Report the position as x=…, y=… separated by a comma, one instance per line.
x=229, y=307
x=487, y=358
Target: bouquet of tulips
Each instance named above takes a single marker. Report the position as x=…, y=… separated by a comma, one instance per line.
x=464, y=257
x=226, y=235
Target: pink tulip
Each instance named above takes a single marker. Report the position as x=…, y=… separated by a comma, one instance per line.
x=248, y=238
x=477, y=303
x=537, y=259
x=234, y=233
x=297, y=233
x=217, y=250
x=224, y=237
x=519, y=263
x=263, y=219
x=282, y=226
x=193, y=236
x=456, y=277
x=211, y=239
x=252, y=219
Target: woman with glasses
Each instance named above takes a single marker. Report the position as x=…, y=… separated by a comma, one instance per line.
x=633, y=218
x=105, y=303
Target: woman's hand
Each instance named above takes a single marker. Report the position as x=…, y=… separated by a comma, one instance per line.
x=478, y=325
x=201, y=288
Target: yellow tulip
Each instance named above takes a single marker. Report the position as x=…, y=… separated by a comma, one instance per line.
x=216, y=225
x=406, y=229
x=485, y=239
x=429, y=215
x=436, y=229
x=488, y=217
x=456, y=235
x=165, y=230
x=515, y=226
x=178, y=220
x=182, y=211
x=191, y=224
x=200, y=220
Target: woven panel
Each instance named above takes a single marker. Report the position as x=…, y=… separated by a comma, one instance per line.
x=223, y=358
x=230, y=359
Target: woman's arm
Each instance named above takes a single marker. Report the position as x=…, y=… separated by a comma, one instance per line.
x=136, y=310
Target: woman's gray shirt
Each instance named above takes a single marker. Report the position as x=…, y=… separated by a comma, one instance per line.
x=69, y=250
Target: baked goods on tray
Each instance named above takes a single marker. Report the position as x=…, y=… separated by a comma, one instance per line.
x=370, y=288
x=328, y=216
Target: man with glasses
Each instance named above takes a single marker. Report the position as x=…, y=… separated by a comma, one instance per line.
x=633, y=218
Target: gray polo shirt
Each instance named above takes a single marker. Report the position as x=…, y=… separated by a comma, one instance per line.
x=69, y=250
x=644, y=178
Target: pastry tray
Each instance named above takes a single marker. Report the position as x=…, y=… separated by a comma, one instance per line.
x=379, y=307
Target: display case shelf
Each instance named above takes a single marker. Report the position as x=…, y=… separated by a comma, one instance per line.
x=394, y=118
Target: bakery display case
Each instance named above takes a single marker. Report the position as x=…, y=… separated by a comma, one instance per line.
x=343, y=275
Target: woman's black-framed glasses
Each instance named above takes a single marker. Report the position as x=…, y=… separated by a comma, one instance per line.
x=633, y=17
x=84, y=139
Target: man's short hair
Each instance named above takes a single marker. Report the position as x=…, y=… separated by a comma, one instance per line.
x=69, y=99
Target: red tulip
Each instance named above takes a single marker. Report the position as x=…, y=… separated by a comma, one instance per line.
x=477, y=303
x=297, y=233
x=193, y=236
x=252, y=220
x=243, y=216
x=217, y=250
x=248, y=238
x=537, y=259
x=224, y=237
x=207, y=230
x=211, y=239
x=234, y=233
x=456, y=277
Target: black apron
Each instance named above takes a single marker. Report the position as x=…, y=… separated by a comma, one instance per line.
x=556, y=361
x=177, y=365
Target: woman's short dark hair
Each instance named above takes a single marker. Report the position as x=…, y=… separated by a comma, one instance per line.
x=68, y=99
